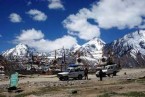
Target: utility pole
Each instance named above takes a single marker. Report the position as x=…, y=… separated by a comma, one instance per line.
x=64, y=54
x=55, y=54
x=64, y=58
x=32, y=58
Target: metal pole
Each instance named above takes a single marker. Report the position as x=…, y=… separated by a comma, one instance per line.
x=64, y=58
x=55, y=54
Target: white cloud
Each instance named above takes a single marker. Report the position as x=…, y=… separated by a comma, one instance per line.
x=35, y=39
x=0, y=35
x=78, y=25
x=30, y=34
x=106, y=14
x=37, y=15
x=118, y=13
x=55, y=4
x=15, y=18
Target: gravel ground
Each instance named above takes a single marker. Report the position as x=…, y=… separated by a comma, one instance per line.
x=33, y=83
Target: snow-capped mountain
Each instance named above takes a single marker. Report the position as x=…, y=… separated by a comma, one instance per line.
x=128, y=51
x=21, y=50
x=58, y=53
x=75, y=48
x=93, y=48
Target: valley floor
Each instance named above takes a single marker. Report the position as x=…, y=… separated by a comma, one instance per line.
x=127, y=83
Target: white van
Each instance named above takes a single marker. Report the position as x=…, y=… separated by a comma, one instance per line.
x=72, y=72
x=109, y=69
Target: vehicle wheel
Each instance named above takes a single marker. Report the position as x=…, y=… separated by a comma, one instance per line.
x=66, y=78
x=114, y=73
x=104, y=74
x=75, y=78
x=97, y=75
x=61, y=78
x=80, y=77
x=108, y=75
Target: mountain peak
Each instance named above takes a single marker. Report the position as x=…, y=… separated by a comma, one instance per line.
x=75, y=47
x=93, y=48
x=21, y=45
x=98, y=40
x=19, y=50
x=95, y=43
x=130, y=49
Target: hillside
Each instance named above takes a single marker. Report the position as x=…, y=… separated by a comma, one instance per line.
x=128, y=51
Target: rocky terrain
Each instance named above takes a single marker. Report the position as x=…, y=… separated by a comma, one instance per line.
x=128, y=51
x=127, y=83
x=8, y=66
x=90, y=48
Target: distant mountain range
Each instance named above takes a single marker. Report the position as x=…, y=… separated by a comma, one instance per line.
x=91, y=48
x=20, y=51
x=128, y=51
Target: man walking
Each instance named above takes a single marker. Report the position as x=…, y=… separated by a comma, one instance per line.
x=86, y=73
x=100, y=74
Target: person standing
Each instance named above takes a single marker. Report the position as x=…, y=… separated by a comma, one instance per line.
x=86, y=73
x=101, y=74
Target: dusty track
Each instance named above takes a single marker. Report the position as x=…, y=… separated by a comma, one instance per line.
x=50, y=86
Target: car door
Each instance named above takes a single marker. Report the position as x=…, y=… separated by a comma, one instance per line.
x=110, y=70
x=72, y=73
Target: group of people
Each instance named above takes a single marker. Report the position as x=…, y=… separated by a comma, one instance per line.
x=86, y=74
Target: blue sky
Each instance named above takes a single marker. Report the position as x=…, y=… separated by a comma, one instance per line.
x=51, y=24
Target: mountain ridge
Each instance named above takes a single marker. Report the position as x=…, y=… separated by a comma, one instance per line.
x=128, y=51
x=22, y=50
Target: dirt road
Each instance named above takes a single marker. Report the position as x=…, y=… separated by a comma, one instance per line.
x=126, y=81
x=53, y=78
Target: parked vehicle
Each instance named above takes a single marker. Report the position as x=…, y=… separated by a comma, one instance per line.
x=109, y=69
x=71, y=72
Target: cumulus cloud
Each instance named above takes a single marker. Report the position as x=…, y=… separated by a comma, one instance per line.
x=37, y=15
x=15, y=18
x=55, y=4
x=30, y=34
x=35, y=38
x=106, y=14
x=118, y=13
x=79, y=25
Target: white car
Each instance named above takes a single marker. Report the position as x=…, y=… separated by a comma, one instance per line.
x=71, y=72
x=109, y=69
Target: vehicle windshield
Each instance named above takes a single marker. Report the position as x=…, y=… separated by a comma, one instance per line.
x=68, y=70
x=105, y=68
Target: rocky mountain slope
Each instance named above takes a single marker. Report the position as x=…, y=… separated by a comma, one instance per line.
x=128, y=51
x=93, y=48
x=20, y=51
